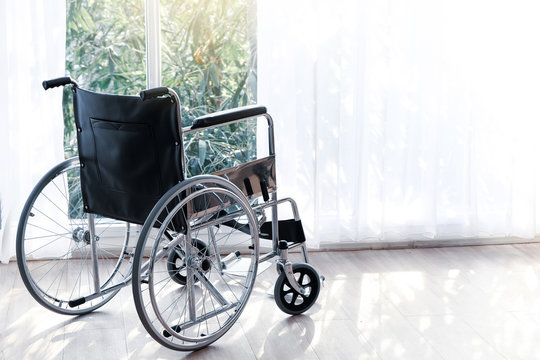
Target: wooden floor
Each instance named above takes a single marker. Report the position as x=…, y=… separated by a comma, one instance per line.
x=451, y=303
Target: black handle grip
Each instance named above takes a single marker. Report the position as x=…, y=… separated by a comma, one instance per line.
x=154, y=93
x=49, y=84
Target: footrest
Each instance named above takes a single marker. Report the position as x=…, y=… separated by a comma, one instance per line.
x=289, y=230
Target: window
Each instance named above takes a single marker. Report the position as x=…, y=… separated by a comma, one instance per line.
x=208, y=56
x=105, y=51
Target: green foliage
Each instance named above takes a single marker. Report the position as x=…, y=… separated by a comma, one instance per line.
x=209, y=53
x=208, y=57
x=105, y=51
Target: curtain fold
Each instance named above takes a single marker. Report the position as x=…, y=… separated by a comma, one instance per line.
x=32, y=49
x=404, y=121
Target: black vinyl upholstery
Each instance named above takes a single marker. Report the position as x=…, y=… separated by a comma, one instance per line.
x=130, y=152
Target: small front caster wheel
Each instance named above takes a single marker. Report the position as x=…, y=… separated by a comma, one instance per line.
x=289, y=300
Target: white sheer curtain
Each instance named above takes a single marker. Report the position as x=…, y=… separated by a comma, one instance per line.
x=32, y=49
x=405, y=120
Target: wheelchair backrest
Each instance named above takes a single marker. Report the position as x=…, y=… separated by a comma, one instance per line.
x=130, y=152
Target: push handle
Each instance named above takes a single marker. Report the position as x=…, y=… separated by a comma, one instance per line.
x=154, y=93
x=49, y=84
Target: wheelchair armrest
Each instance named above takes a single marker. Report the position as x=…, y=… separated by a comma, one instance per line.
x=225, y=116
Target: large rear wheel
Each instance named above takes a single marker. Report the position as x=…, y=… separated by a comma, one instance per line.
x=54, y=252
x=206, y=226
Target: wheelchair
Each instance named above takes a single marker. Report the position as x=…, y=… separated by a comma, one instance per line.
x=195, y=260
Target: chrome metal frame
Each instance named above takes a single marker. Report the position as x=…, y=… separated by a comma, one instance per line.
x=282, y=263
x=272, y=203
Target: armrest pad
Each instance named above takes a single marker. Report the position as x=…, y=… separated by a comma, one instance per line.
x=225, y=116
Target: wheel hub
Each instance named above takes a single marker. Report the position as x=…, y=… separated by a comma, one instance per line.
x=79, y=234
x=206, y=265
x=197, y=263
